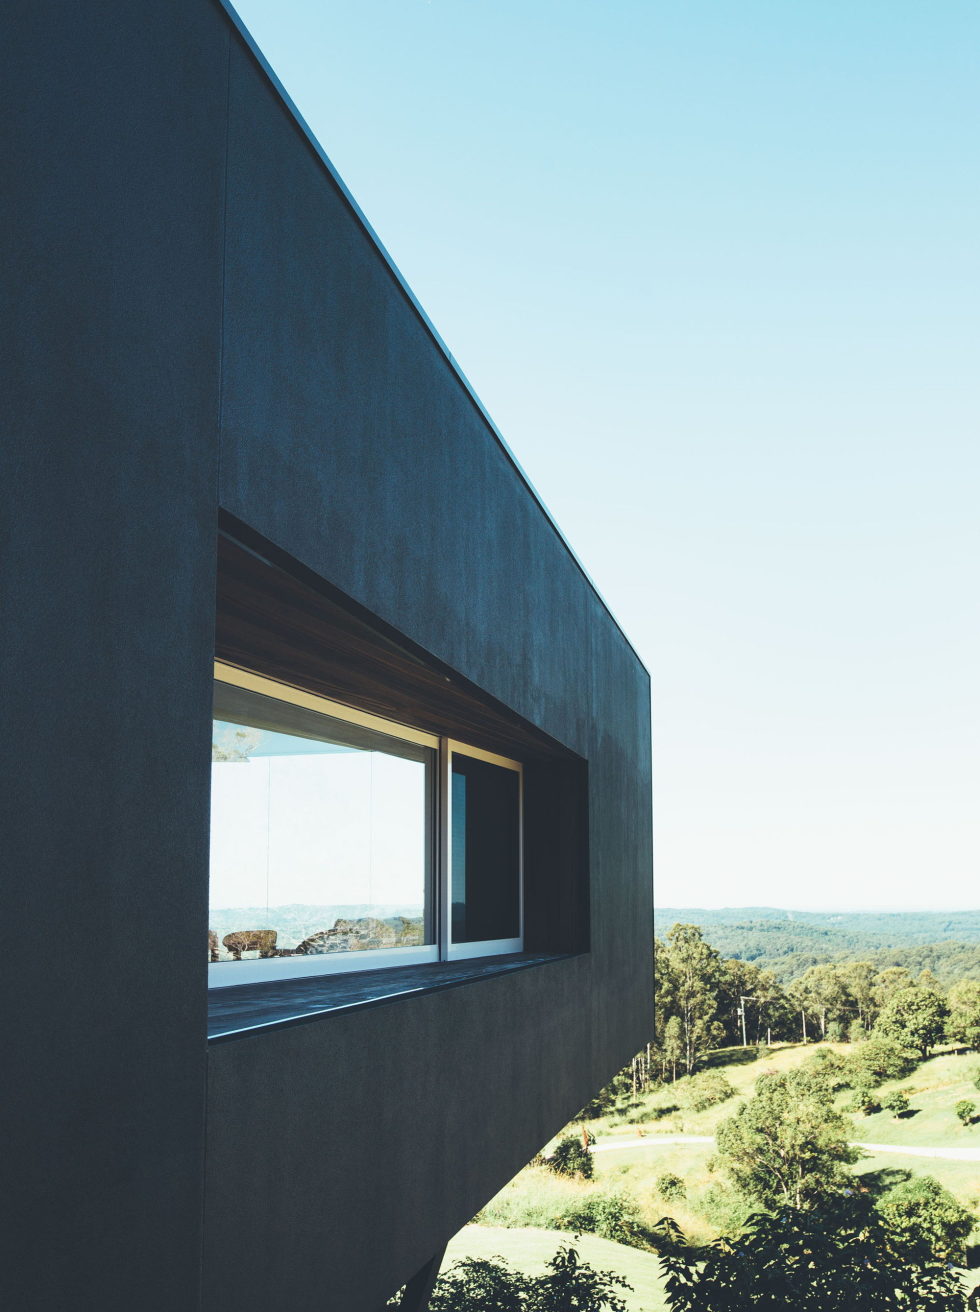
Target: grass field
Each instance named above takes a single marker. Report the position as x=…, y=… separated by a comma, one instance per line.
x=636, y=1150
x=529, y=1250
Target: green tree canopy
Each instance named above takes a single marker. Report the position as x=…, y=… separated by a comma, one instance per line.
x=787, y=1144
x=823, y=992
x=694, y=972
x=841, y=1257
x=963, y=1025
x=914, y=1017
x=932, y=1225
x=881, y=1059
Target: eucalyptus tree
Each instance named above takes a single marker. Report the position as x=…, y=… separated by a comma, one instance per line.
x=695, y=985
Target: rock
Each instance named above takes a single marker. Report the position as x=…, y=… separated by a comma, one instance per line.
x=349, y=936
x=262, y=941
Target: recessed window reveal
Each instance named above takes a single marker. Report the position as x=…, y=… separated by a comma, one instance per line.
x=341, y=841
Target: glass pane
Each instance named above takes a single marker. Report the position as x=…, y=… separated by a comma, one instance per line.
x=320, y=834
x=485, y=851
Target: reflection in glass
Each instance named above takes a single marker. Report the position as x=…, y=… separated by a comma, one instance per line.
x=319, y=834
x=485, y=851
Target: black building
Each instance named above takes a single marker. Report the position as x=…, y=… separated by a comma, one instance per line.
x=243, y=481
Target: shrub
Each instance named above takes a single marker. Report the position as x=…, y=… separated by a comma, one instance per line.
x=574, y=1286
x=880, y=1059
x=480, y=1285
x=722, y=1208
x=964, y=1109
x=671, y=1186
x=896, y=1102
x=840, y=1257
x=570, y=1157
x=536, y=1198
x=490, y=1285
x=863, y=1100
x=707, y=1090
x=930, y=1222
x=610, y=1215
x=829, y=1069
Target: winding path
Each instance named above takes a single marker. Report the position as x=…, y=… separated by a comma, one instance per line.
x=654, y=1141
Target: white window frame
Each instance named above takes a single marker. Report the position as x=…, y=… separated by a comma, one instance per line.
x=229, y=974
x=487, y=947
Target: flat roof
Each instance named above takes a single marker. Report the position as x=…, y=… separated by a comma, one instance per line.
x=410, y=296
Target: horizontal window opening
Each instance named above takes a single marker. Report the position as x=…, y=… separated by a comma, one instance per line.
x=337, y=747
x=339, y=838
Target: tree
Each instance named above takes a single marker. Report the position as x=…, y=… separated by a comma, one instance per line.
x=914, y=1017
x=929, y=1220
x=840, y=1257
x=736, y=979
x=829, y=1069
x=859, y=978
x=787, y=1144
x=889, y=982
x=695, y=973
x=964, y=1109
x=896, y=1102
x=765, y=1002
x=673, y=1044
x=881, y=1059
x=823, y=992
x=963, y=1025
x=863, y=1100
x=235, y=746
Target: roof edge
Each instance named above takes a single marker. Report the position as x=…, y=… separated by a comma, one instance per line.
x=412, y=299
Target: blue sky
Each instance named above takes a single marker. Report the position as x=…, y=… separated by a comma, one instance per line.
x=713, y=269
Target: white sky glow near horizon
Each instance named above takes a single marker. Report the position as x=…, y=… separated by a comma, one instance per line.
x=714, y=271
x=333, y=829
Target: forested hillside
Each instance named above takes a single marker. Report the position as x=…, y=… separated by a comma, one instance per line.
x=789, y=943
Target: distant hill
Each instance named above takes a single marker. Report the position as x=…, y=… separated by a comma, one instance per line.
x=789, y=942
x=298, y=920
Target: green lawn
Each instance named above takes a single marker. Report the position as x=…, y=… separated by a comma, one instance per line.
x=527, y=1249
x=933, y=1089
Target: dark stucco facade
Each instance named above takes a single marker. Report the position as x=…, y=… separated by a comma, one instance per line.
x=200, y=333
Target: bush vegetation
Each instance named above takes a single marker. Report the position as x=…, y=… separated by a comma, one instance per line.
x=490, y=1285
x=570, y=1157
x=964, y=1110
x=842, y=1256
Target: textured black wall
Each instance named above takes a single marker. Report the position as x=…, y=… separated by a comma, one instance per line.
x=112, y=132
x=200, y=320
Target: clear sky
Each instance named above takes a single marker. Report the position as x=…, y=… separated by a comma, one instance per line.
x=713, y=269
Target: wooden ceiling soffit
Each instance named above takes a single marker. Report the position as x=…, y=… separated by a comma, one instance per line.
x=304, y=633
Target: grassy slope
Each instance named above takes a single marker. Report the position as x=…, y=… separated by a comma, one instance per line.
x=933, y=1089
x=710, y=1208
